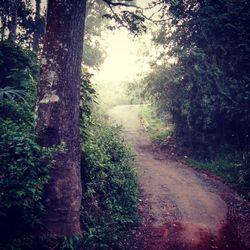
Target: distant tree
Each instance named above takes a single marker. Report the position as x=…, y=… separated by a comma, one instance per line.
x=9, y=11
x=13, y=20
x=21, y=23
x=38, y=27
x=95, y=24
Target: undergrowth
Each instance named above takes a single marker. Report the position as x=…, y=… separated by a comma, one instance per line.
x=156, y=126
x=230, y=164
x=23, y=172
x=110, y=198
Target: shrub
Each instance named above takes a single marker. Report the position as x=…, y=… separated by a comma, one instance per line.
x=17, y=65
x=23, y=170
x=110, y=196
x=19, y=72
x=22, y=178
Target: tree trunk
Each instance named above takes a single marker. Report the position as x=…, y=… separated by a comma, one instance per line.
x=3, y=27
x=13, y=21
x=58, y=100
x=36, y=37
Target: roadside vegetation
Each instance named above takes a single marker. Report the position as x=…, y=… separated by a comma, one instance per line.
x=204, y=88
x=199, y=86
x=109, y=203
x=110, y=198
x=157, y=126
x=22, y=174
x=231, y=164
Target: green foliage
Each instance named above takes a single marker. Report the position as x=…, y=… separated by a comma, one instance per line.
x=207, y=89
x=231, y=165
x=110, y=196
x=11, y=93
x=70, y=243
x=133, y=21
x=19, y=74
x=23, y=177
x=87, y=101
x=17, y=66
x=24, y=164
x=158, y=127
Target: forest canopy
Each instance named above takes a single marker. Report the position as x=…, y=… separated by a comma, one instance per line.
x=207, y=88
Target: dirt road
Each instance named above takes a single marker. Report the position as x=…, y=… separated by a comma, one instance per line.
x=181, y=208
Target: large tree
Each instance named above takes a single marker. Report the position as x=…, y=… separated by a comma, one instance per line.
x=38, y=27
x=58, y=99
x=58, y=103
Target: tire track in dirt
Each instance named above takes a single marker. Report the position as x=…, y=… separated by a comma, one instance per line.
x=181, y=208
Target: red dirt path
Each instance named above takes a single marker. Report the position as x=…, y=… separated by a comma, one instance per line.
x=181, y=208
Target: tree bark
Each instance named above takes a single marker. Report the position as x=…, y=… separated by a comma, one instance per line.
x=36, y=37
x=13, y=21
x=58, y=100
x=3, y=27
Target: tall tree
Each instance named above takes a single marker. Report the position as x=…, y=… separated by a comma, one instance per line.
x=36, y=36
x=13, y=21
x=58, y=102
x=16, y=20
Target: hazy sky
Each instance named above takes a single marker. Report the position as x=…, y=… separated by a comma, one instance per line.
x=122, y=62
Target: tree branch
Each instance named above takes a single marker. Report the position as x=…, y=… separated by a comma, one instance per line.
x=110, y=3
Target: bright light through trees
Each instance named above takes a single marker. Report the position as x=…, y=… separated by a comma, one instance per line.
x=121, y=63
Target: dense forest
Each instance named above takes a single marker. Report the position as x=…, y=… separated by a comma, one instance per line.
x=67, y=178
x=205, y=88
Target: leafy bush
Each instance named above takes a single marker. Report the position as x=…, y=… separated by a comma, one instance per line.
x=23, y=169
x=110, y=195
x=18, y=73
x=23, y=177
x=11, y=92
x=17, y=65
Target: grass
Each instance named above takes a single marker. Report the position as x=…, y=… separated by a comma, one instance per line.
x=231, y=165
x=157, y=128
